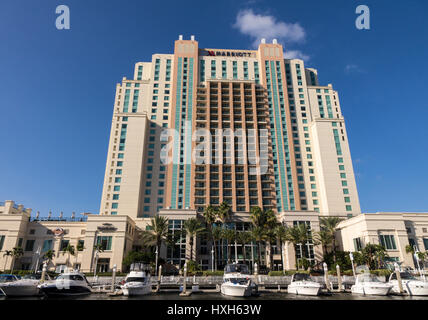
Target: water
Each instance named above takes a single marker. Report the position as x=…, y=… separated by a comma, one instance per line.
x=217, y=296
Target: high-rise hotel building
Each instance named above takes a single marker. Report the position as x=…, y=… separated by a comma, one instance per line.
x=280, y=143
x=256, y=105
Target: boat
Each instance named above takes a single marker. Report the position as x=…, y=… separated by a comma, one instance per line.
x=302, y=284
x=5, y=278
x=69, y=283
x=137, y=283
x=237, y=281
x=25, y=287
x=369, y=284
x=411, y=285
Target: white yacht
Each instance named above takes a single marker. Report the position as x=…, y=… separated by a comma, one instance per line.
x=137, y=283
x=411, y=285
x=237, y=281
x=68, y=283
x=369, y=284
x=302, y=284
x=27, y=286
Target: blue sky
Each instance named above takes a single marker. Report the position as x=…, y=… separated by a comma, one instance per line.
x=57, y=87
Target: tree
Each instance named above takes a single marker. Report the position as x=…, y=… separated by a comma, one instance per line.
x=259, y=235
x=224, y=212
x=323, y=238
x=17, y=252
x=7, y=254
x=243, y=238
x=374, y=255
x=157, y=232
x=193, y=228
x=298, y=236
x=138, y=256
x=230, y=236
x=97, y=249
x=210, y=216
x=281, y=237
x=217, y=235
x=69, y=250
x=48, y=256
x=329, y=225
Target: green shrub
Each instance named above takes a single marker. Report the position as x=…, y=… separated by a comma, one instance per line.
x=213, y=273
x=276, y=273
x=381, y=272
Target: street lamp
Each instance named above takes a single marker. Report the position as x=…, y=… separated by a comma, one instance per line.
x=351, y=256
x=212, y=259
x=156, y=270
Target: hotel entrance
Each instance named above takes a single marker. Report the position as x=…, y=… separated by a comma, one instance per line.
x=103, y=265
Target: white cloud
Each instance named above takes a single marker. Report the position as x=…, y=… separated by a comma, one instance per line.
x=296, y=54
x=353, y=68
x=259, y=26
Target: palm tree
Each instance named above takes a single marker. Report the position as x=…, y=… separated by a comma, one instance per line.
x=97, y=249
x=243, y=238
x=7, y=254
x=257, y=216
x=79, y=247
x=281, y=237
x=329, y=224
x=230, y=236
x=224, y=212
x=323, y=238
x=298, y=236
x=193, y=227
x=259, y=235
x=373, y=254
x=216, y=235
x=157, y=232
x=48, y=256
x=380, y=254
x=210, y=216
x=17, y=252
x=69, y=250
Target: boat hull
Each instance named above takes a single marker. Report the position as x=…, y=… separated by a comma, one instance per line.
x=53, y=291
x=136, y=290
x=20, y=291
x=411, y=289
x=304, y=290
x=236, y=290
x=371, y=290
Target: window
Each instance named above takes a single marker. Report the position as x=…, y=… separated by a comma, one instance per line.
x=64, y=244
x=47, y=245
x=357, y=244
x=388, y=242
x=1, y=242
x=80, y=245
x=425, y=243
x=105, y=242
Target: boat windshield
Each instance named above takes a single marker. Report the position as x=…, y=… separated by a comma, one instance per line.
x=240, y=268
x=302, y=277
x=368, y=278
x=136, y=279
x=7, y=278
x=237, y=280
x=404, y=276
x=75, y=277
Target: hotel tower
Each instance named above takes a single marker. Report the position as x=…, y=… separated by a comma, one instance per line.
x=206, y=126
x=279, y=137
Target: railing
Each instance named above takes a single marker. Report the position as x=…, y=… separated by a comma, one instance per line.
x=64, y=219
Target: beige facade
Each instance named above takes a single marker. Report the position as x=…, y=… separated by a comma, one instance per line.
x=393, y=230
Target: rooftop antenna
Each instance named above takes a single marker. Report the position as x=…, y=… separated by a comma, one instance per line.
x=50, y=214
x=73, y=215
x=37, y=214
x=60, y=215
